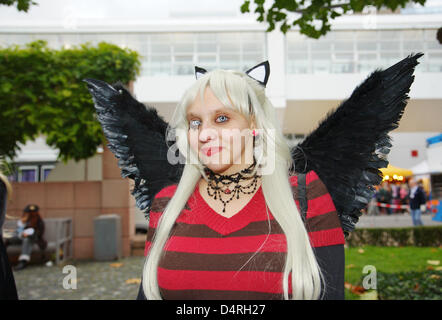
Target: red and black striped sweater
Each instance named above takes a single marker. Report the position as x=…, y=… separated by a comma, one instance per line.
x=207, y=255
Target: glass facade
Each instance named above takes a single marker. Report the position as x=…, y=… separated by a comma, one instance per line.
x=340, y=51
x=350, y=51
x=168, y=53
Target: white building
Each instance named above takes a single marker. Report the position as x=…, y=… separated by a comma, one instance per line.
x=308, y=77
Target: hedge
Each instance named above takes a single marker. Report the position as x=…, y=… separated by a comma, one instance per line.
x=412, y=285
x=422, y=236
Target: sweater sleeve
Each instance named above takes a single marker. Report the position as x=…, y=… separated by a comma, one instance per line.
x=322, y=221
x=331, y=260
x=326, y=235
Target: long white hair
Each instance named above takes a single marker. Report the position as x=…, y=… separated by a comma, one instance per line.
x=248, y=98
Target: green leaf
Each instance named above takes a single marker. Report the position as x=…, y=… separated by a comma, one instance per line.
x=6, y=87
x=313, y=10
x=245, y=6
x=66, y=93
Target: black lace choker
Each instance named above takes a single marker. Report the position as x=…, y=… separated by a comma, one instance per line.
x=217, y=182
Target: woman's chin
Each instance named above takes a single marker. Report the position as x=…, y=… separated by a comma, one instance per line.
x=215, y=164
x=217, y=168
x=215, y=160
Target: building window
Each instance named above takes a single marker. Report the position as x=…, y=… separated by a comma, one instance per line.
x=361, y=51
x=34, y=172
x=45, y=170
x=28, y=174
x=173, y=53
x=178, y=53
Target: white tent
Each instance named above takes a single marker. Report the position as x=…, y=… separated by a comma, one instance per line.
x=421, y=168
x=434, y=156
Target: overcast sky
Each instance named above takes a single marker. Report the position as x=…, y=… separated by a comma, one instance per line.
x=56, y=10
x=124, y=9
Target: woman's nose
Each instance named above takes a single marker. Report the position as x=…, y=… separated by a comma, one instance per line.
x=207, y=133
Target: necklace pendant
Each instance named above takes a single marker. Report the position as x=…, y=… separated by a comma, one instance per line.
x=227, y=191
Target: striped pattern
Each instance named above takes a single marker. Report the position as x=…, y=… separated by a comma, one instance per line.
x=209, y=256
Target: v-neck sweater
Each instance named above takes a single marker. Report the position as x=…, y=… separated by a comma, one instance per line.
x=209, y=256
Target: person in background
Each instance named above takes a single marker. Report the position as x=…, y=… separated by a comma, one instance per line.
x=417, y=199
x=389, y=197
x=8, y=290
x=403, y=194
x=420, y=183
x=384, y=197
x=372, y=208
x=396, y=200
x=30, y=230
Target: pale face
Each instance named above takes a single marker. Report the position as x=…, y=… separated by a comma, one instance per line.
x=224, y=131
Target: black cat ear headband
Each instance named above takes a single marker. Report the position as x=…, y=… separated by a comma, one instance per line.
x=260, y=72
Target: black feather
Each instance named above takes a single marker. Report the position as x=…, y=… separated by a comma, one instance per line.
x=136, y=135
x=351, y=143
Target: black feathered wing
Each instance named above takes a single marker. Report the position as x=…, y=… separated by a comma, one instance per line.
x=136, y=134
x=350, y=144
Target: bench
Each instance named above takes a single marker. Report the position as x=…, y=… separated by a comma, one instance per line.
x=58, y=233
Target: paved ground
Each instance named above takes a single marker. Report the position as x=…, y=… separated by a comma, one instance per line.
x=118, y=280
x=394, y=220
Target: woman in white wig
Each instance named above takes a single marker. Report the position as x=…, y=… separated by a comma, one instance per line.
x=234, y=212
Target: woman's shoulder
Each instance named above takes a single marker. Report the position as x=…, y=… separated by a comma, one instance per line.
x=316, y=192
x=167, y=191
x=162, y=198
x=310, y=177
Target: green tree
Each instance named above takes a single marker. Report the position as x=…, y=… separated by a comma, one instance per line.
x=42, y=92
x=22, y=5
x=303, y=13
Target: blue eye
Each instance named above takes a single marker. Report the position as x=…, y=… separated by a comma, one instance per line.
x=192, y=126
x=224, y=117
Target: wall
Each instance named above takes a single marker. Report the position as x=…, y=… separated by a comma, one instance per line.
x=76, y=171
x=82, y=201
x=404, y=143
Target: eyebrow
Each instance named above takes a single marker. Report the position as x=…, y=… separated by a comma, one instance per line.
x=190, y=114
